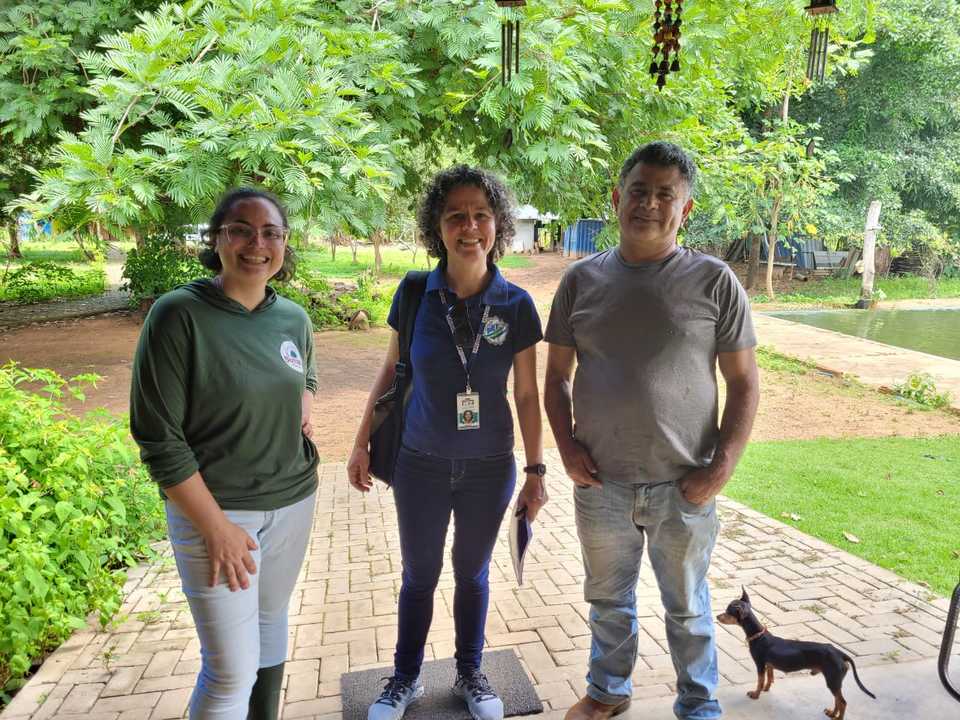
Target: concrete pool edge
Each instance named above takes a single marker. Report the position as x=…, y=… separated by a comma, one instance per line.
x=873, y=363
x=929, y=330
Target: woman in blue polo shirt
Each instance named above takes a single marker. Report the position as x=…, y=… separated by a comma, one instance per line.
x=472, y=328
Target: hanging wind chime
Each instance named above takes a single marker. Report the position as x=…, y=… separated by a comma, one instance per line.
x=509, y=42
x=819, y=38
x=666, y=39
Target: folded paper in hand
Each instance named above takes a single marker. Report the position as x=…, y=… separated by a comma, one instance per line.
x=521, y=534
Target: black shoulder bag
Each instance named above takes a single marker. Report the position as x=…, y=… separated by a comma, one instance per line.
x=386, y=429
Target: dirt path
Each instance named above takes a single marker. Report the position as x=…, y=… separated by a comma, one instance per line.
x=792, y=406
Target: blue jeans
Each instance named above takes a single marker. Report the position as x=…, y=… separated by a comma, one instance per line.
x=245, y=630
x=613, y=522
x=427, y=489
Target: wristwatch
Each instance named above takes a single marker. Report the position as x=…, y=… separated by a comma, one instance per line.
x=538, y=469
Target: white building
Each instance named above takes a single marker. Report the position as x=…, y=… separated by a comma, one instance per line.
x=525, y=221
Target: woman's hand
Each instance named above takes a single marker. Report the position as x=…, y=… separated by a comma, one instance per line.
x=306, y=414
x=533, y=496
x=358, y=469
x=229, y=546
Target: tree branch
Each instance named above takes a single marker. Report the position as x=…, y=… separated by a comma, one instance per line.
x=123, y=119
x=205, y=50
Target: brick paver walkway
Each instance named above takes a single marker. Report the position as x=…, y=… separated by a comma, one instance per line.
x=343, y=614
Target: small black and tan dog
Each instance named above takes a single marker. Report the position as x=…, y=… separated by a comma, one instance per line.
x=770, y=653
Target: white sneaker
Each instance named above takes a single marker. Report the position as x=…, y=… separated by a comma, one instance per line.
x=481, y=700
x=393, y=701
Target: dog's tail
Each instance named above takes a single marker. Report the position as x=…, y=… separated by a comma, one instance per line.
x=856, y=677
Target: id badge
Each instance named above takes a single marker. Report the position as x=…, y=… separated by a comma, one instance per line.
x=468, y=411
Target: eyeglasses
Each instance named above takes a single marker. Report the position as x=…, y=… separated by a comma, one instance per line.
x=242, y=233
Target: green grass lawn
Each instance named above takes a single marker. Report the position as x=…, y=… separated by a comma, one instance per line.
x=396, y=261
x=50, y=249
x=899, y=496
x=837, y=292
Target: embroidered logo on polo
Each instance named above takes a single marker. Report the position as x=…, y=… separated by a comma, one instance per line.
x=495, y=331
x=291, y=356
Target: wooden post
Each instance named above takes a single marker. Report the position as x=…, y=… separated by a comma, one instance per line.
x=869, y=251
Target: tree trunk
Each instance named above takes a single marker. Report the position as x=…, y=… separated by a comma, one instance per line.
x=869, y=249
x=753, y=262
x=14, y=250
x=377, y=260
x=354, y=246
x=777, y=203
x=772, y=244
x=333, y=246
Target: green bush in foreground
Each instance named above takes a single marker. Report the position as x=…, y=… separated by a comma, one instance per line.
x=76, y=508
x=45, y=280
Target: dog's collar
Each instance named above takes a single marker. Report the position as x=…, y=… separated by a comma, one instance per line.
x=756, y=635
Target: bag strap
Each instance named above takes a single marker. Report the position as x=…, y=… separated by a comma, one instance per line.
x=414, y=285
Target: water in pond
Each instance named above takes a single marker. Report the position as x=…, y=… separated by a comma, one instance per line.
x=930, y=330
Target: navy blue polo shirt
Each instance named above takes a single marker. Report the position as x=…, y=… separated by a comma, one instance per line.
x=430, y=424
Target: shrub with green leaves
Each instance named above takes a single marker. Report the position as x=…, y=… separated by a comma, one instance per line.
x=922, y=389
x=44, y=280
x=312, y=291
x=76, y=508
x=368, y=297
x=160, y=265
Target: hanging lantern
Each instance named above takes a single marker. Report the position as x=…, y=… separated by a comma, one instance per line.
x=666, y=39
x=819, y=38
x=509, y=42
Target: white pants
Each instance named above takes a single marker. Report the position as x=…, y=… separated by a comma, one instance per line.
x=245, y=630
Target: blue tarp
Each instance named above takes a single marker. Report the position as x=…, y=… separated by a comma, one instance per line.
x=579, y=239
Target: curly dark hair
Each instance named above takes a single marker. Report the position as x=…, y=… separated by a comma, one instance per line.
x=208, y=256
x=435, y=200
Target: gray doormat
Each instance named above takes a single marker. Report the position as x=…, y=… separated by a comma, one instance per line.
x=502, y=668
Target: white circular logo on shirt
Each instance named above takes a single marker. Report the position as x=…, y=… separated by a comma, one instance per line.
x=495, y=331
x=291, y=356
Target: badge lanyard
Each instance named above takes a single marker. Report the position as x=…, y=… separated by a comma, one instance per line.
x=468, y=403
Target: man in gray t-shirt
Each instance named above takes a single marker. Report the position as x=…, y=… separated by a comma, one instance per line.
x=646, y=325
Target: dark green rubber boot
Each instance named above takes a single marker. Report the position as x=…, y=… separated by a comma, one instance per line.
x=265, y=696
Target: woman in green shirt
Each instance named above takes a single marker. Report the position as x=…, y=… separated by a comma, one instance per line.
x=222, y=389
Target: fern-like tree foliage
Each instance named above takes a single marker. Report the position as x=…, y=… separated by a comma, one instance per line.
x=345, y=108
x=42, y=83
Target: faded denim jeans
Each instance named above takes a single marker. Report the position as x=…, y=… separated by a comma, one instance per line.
x=245, y=630
x=614, y=522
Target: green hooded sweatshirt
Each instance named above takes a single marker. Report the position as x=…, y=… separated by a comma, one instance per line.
x=217, y=388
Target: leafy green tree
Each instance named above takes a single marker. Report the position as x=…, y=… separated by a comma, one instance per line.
x=205, y=95
x=339, y=106
x=42, y=82
x=895, y=125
